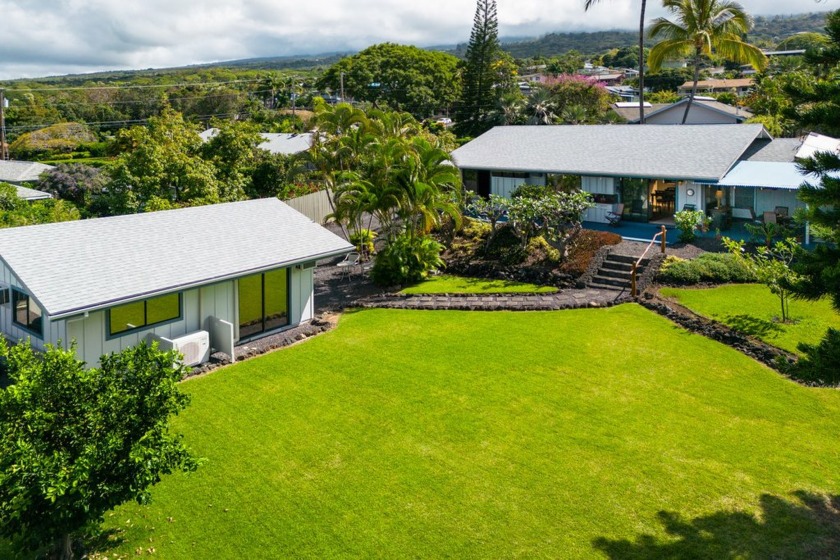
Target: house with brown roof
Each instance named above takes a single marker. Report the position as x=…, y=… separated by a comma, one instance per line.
x=739, y=86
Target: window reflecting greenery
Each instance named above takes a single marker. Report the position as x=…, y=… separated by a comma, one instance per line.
x=263, y=302
x=145, y=313
x=27, y=313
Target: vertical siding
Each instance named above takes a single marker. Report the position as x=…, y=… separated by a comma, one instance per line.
x=9, y=329
x=301, y=295
x=91, y=335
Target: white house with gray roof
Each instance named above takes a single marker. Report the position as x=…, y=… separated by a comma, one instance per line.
x=275, y=142
x=20, y=173
x=223, y=274
x=653, y=170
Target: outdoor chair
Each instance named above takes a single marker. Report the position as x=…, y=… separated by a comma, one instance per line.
x=614, y=215
x=770, y=217
x=350, y=261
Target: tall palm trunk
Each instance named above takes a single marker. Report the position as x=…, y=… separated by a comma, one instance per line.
x=693, y=88
x=642, y=64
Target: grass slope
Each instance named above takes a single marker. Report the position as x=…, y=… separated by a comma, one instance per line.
x=573, y=434
x=752, y=309
x=446, y=284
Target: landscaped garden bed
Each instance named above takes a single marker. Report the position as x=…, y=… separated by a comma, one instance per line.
x=504, y=257
x=585, y=433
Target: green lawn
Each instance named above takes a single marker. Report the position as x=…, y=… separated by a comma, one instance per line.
x=597, y=433
x=446, y=284
x=752, y=309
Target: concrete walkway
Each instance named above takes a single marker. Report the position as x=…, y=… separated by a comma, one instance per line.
x=566, y=299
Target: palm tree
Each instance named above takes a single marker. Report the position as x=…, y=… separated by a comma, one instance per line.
x=701, y=28
x=588, y=4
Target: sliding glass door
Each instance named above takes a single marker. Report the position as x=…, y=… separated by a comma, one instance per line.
x=263, y=302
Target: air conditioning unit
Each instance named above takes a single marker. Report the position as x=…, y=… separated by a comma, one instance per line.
x=195, y=347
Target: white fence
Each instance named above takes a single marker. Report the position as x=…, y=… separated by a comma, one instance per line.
x=314, y=206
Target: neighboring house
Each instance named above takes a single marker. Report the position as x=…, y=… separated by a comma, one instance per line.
x=276, y=143
x=211, y=275
x=654, y=170
x=20, y=173
x=738, y=86
x=703, y=111
x=31, y=194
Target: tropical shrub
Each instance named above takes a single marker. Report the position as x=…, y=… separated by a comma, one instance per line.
x=714, y=268
x=688, y=221
x=406, y=259
x=538, y=246
x=363, y=240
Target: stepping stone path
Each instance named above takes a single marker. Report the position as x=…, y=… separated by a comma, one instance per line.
x=566, y=299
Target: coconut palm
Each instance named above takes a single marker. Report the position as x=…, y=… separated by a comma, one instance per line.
x=588, y=4
x=702, y=27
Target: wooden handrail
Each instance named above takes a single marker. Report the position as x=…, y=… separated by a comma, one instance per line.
x=633, y=291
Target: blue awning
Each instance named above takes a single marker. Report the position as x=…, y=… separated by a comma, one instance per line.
x=767, y=174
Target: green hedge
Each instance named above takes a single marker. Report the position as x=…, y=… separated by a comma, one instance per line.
x=716, y=268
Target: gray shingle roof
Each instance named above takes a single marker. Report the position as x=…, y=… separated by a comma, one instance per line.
x=76, y=266
x=701, y=152
x=21, y=171
x=737, y=112
x=276, y=143
x=31, y=194
x=777, y=149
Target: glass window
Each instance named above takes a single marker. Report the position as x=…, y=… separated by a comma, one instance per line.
x=263, y=302
x=144, y=313
x=276, y=299
x=250, y=305
x=27, y=314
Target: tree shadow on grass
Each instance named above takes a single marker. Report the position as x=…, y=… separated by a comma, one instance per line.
x=806, y=527
x=753, y=326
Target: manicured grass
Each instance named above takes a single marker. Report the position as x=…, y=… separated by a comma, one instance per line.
x=446, y=284
x=573, y=434
x=752, y=309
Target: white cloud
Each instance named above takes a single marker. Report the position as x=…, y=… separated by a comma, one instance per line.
x=47, y=37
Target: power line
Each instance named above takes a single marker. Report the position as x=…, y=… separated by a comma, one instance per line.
x=139, y=86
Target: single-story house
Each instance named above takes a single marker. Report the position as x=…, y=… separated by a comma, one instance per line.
x=704, y=110
x=30, y=194
x=739, y=86
x=653, y=170
x=194, y=279
x=276, y=143
x=21, y=173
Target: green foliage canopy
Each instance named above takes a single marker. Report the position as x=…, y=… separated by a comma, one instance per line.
x=399, y=77
x=76, y=442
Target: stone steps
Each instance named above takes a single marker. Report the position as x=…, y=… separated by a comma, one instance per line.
x=614, y=273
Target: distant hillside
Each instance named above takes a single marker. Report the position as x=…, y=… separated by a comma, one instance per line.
x=768, y=31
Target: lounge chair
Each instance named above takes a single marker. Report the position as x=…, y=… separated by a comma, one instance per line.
x=614, y=215
x=351, y=260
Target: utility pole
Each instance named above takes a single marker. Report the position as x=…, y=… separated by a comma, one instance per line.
x=4, y=149
x=342, y=87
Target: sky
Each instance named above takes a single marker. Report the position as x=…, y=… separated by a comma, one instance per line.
x=56, y=37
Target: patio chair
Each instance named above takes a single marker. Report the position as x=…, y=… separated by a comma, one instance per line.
x=614, y=216
x=350, y=260
x=769, y=217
